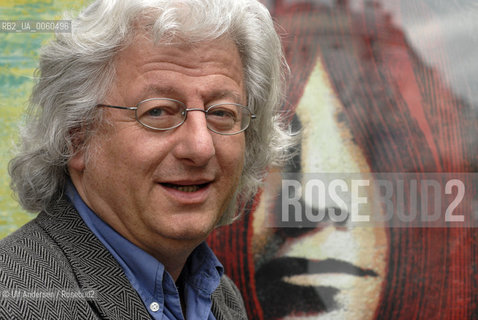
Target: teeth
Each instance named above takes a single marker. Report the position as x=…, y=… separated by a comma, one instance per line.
x=185, y=188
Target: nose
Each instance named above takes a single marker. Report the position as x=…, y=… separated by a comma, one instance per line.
x=195, y=141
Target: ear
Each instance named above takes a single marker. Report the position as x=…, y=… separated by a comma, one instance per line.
x=77, y=161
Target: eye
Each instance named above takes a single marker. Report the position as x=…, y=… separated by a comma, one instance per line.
x=155, y=112
x=160, y=113
x=158, y=108
x=222, y=112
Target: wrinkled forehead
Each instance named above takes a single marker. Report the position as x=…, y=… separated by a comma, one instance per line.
x=211, y=69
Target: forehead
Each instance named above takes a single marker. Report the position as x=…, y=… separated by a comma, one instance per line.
x=149, y=68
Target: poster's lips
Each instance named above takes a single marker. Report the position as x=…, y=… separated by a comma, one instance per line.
x=278, y=268
x=279, y=299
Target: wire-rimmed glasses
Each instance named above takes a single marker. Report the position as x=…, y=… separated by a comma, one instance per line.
x=165, y=114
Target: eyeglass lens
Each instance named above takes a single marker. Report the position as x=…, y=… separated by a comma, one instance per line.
x=163, y=114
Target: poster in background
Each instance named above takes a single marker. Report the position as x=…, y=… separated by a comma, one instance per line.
x=379, y=88
x=376, y=87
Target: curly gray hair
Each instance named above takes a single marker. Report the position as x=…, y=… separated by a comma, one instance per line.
x=76, y=70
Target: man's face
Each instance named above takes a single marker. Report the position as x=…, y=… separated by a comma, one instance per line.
x=161, y=189
x=332, y=271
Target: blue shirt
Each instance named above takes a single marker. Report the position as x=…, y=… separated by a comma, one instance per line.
x=201, y=275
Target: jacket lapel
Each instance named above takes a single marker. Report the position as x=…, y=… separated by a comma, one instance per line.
x=96, y=270
x=227, y=303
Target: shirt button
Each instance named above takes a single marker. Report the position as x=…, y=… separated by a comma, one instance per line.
x=154, y=306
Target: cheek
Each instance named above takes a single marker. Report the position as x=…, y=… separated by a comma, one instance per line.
x=112, y=159
x=231, y=153
x=128, y=150
x=372, y=247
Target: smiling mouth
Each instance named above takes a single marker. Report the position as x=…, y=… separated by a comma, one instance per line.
x=185, y=188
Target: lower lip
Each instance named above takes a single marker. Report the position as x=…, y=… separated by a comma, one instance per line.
x=187, y=198
x=337, y=280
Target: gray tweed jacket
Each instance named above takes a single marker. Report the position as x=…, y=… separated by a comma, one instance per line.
x=54, y=267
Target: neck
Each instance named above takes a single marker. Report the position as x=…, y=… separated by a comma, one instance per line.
x=173, y=263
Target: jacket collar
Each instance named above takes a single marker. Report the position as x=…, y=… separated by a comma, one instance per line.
x=94, y=267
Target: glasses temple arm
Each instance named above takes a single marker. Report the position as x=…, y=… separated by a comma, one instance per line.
x=117, y=107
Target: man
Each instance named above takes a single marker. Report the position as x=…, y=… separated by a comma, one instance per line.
x=150, y=124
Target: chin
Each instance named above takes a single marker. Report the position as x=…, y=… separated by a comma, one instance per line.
x=190, y=230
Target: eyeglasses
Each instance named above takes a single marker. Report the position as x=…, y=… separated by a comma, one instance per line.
x=165, y=114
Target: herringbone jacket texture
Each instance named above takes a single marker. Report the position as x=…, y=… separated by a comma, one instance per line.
x=54, y=267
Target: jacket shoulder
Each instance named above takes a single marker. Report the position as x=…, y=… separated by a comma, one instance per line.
x=30, y=247
x=227, y=301
x=35, y=276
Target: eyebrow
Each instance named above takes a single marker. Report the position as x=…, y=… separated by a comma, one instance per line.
x=159, y=91
x=224, y=94
x=170, y=92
